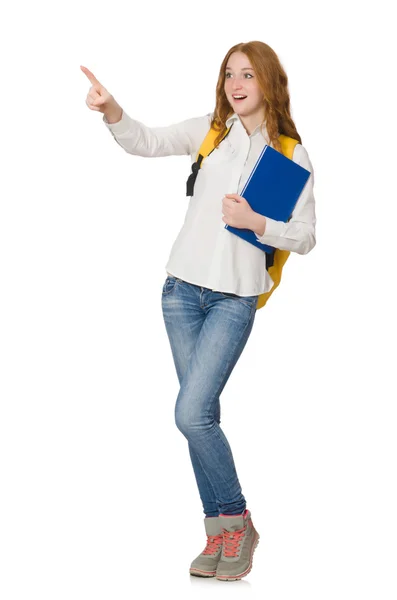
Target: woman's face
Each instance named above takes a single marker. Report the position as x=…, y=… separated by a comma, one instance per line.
x=240, y=79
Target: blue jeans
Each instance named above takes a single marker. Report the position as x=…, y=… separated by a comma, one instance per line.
x=207, y=332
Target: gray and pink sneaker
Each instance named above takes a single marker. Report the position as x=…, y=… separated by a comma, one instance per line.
x=240, y=539
x=204, y=565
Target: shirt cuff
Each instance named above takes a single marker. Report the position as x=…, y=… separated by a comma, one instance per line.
x=273, y=229
x=120, y=127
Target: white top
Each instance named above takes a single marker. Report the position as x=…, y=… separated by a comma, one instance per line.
x=204, y=252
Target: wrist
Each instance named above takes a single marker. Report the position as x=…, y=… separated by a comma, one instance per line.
x=258, y=224
x=113, y=114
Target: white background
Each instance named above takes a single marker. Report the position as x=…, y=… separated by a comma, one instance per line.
x=98, y=495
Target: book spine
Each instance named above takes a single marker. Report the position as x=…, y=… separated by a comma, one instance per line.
x=254, y=169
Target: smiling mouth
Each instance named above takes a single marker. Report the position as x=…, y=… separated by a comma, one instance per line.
x=239, y=99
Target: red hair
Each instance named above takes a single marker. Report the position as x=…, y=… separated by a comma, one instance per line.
x=272, y=81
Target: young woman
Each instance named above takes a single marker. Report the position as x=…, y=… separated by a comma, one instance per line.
x=214, y=278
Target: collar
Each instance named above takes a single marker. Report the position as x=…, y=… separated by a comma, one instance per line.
x=231, y=120
x=234, y=117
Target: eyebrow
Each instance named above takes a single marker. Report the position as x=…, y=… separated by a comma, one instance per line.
x=244, y=69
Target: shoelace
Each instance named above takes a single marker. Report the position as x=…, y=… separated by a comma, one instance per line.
x=213, y=543
x=231, y=541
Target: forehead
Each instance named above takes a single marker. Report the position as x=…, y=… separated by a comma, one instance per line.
x=238, y=60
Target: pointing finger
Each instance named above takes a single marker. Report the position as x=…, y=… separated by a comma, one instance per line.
x=90, y=75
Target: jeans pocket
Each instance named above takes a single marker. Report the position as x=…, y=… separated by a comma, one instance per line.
x=169, y=285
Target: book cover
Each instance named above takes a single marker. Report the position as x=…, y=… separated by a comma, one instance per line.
x=272, y=190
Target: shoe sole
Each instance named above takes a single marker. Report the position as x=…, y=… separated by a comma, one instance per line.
x=199, y=573
x=237, y=577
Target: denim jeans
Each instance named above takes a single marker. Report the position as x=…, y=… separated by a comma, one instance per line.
x=207, y=332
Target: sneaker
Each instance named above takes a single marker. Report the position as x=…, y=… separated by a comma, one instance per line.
x=240, y=539
x=204, y=565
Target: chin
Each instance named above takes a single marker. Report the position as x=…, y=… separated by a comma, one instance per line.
x=240, y=110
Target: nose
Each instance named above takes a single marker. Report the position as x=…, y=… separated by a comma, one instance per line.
x=236, y=85
x=236, y=89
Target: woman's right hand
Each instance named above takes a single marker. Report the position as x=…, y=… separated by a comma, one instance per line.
x=98, y=98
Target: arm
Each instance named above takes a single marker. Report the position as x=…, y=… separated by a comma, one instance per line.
x=177, y=139
x=299, y=234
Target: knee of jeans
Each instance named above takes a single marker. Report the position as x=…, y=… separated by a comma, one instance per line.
x=192, y=424
x=182, y=421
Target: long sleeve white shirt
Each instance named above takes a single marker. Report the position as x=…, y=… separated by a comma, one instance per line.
x=204, y=252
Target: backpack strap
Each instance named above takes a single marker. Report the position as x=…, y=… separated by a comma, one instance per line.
x=287, y=145
x=207, y=146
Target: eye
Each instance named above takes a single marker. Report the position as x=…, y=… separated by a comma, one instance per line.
x=226, y=75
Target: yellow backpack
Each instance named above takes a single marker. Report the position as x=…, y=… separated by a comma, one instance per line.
x=275, y=260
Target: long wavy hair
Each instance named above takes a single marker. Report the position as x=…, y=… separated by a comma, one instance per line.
x=273, y=83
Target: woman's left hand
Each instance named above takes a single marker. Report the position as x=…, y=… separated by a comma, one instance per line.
x=237, y=212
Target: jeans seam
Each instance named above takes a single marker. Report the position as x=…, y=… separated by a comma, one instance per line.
x=240, y=299
x=222, y=378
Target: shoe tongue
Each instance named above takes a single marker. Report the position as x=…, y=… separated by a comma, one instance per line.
x=233, y=523
x=212, y=525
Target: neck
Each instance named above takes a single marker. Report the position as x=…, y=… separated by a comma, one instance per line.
x=251, y=122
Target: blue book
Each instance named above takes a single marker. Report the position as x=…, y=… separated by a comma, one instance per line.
x=272, y=189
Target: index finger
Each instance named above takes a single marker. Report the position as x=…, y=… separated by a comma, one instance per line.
x=90, y=75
